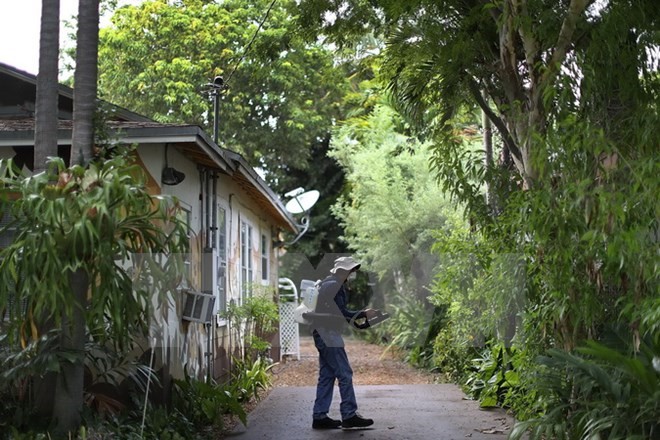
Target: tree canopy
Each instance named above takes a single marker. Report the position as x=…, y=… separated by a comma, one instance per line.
x=534, y=61
x=394, y=204
x=572, y=90
x=282, y=92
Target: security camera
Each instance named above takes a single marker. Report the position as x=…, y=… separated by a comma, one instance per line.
x=218, y=81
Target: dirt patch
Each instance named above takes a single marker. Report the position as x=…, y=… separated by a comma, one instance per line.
x=372, y=365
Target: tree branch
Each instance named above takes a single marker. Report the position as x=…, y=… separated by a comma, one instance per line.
x=530, y=44
x=496, y=120
x=564, y=39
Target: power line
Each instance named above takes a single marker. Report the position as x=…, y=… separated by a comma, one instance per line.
x=254, y=36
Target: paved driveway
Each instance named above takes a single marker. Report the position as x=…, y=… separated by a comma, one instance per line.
x=400, y=412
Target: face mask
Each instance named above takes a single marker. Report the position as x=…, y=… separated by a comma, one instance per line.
x=352, y=276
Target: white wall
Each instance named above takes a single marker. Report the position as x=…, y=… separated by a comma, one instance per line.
x=187, y=341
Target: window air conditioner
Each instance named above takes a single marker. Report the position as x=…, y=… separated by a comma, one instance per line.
x=198, y=307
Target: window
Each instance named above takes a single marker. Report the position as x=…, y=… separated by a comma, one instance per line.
x=185, y=216
x=246, y=259
x=222, y=259
x=265, y=260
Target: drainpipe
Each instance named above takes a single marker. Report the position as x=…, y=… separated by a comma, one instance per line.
x=213, y=230
x=209, y=353
x=207, y=217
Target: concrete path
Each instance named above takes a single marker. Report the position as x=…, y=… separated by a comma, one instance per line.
x=400, y=412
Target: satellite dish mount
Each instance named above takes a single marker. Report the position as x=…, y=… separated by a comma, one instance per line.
x=300, y=202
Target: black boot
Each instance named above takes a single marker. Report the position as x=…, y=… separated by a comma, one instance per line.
x=357, y=421
x=326, y=423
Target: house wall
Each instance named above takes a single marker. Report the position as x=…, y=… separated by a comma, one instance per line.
x=177, y=343
x=242, y=210
x=184, y=344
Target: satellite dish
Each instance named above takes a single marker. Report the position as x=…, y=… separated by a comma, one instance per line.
x=302, y=202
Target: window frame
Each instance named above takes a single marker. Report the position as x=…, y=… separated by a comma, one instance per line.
x=222, y=260
x=265, y=259
x=246, y=248
x=185, y=215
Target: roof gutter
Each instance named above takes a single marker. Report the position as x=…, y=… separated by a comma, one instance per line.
x=251, y=175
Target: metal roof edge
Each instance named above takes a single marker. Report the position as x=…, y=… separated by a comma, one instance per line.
x=67, y=92
x=251, y=175
x=172, y=133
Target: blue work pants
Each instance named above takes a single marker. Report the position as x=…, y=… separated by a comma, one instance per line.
x=333, y=365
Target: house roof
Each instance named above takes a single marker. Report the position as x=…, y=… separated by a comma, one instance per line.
x=20, y=87
x=191, y=140
x=17, y=130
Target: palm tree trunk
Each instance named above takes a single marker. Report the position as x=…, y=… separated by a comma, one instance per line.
x=45, y=132
x=68, y=399
x=69, y=395
x=85, y=82
x=45, y=144
x=488, y=153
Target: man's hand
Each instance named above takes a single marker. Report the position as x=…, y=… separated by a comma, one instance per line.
x=370, y=317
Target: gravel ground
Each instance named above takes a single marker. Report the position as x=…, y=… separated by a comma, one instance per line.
x=372, y=365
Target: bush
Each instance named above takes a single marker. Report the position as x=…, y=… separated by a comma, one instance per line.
x=249, y=379
x=606, y=390
x=254, y=320
x=204, y=403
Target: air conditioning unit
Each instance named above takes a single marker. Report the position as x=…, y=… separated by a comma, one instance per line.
x=198, y=307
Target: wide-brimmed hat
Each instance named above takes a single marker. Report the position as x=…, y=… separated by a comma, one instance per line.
x=345, y=263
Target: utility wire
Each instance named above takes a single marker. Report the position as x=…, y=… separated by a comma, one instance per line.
x=254, y=36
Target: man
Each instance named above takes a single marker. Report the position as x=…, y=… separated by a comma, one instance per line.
x=333, y=362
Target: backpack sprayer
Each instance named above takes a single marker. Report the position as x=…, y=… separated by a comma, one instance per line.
x=306, y=313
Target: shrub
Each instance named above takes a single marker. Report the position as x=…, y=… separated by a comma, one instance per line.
x=608, y=389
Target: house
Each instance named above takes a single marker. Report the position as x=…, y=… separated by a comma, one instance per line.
x=235, y=218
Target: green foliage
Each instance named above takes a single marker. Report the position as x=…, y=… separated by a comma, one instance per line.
x=94, y=219
x=484, y=295
x=204, y=403
x=14, y=434
x=161, y=424
x=577, y=246
x=282, y=92
x=495, y=376
x=109, y=371
x=158, y=424
x=608, y=389
x=254, y=320
x=197, y=411
x=451, y=355
x=249, y=379
x=37, y=358
x=394, y=203
x=100, y=221
x=407, y=329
